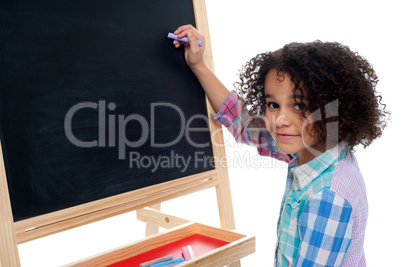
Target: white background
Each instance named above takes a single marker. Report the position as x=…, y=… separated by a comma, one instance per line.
x=239, y=30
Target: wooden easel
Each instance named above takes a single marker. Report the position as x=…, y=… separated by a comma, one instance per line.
x=12, y=233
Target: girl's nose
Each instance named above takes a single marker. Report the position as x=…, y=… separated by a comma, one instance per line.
x=282, y=120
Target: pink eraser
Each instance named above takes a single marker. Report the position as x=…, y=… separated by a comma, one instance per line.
x=185, y=254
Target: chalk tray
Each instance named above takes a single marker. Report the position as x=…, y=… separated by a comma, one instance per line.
x=212, y=247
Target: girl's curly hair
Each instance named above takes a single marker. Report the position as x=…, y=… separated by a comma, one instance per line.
x=329, y=73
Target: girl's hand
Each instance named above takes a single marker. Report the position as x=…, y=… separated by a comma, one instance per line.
x=193, y=53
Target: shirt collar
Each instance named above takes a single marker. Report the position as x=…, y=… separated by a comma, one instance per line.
x=305, y=173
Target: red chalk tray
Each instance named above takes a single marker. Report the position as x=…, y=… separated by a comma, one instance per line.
x=200, y=244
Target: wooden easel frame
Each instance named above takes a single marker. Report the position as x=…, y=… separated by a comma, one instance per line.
x=12, y=233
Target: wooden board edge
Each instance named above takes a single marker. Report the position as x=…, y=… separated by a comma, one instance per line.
x=62, y=220
x=219, y=233
x=8, y=243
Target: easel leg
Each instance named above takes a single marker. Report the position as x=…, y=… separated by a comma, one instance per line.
x=152, y=229
x=226, y=209
x=8, y=241
x=235, y=264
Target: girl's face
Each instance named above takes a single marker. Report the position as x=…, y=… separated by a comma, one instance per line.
x=284, y=120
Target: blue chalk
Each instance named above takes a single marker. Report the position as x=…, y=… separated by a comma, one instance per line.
x=184, y=39
x=168, y=262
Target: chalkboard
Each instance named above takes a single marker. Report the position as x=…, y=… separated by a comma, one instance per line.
x=95, y=101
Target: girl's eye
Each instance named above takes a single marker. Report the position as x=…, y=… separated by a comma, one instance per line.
x=272, y=105
x=298, y=107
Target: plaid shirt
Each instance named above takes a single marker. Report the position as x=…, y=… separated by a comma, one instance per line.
x=324, y=209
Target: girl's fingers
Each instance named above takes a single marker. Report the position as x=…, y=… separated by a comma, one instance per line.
x=193, y=42
x=193, y=31
x=182, y=31
x=177, y=43
x=182, y=28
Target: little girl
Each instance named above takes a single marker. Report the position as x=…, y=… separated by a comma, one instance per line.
x=308, y=104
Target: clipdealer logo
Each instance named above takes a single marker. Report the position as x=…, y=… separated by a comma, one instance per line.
x=119, y=139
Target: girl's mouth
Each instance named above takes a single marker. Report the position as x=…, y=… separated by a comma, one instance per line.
x=286, y=136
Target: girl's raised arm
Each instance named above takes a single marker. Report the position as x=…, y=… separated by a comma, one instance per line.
x=216, y=92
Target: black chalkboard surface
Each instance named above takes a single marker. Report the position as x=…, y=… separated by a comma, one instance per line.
x=95, y=101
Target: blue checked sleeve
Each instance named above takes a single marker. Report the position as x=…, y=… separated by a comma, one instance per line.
x=246, y=130
x=325, y=228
